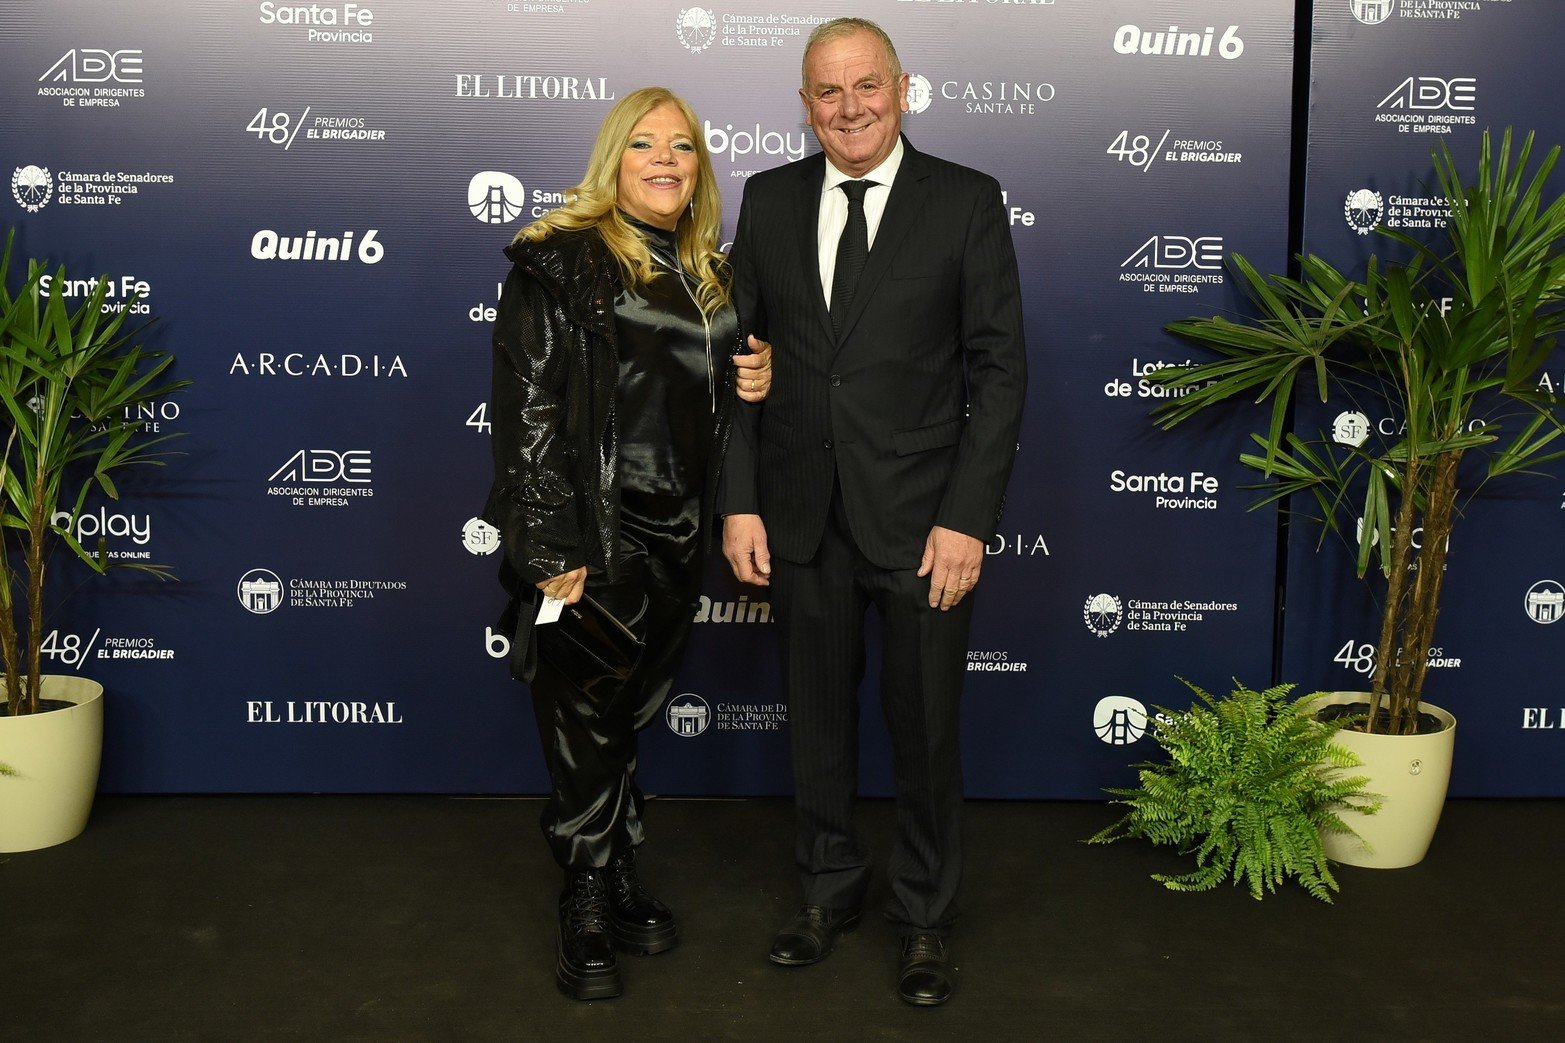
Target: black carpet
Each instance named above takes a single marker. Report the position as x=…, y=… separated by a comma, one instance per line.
x=426, y=918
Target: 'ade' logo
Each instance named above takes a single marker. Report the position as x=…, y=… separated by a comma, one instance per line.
x=90, y=65
x=1431, y=92
x=323, y=466
x=1175, y=252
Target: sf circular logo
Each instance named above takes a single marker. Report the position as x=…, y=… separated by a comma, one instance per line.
x=920, y=92
x=495, y=197
x=1119, y=720
x=1372, y=12
x=688, y=715
x=261, y=591
x=32, y=187
x=696, y=28
x=1363, y=209
x=1102, y=613
x=1350, y=428
x=479, y=537
x=1545, y=601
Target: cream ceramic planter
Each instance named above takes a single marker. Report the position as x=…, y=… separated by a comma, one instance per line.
x=55, y=757
x=1411, y=772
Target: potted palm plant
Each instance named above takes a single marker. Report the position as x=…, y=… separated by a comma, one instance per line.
x=70, y=383
x=1453, y=338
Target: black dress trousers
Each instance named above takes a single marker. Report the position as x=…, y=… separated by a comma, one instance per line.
x=594, y=811
x=820, y=607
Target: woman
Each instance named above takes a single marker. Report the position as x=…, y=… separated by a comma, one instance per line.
x=615, y=353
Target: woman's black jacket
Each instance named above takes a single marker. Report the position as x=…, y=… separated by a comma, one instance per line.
x=555, y=497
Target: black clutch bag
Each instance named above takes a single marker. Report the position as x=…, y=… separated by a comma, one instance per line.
x=592, y=648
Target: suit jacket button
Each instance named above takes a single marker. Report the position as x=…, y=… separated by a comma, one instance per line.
x=826, y=444
x=836, y=381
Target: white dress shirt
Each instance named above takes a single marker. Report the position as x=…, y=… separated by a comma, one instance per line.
x=834, y=210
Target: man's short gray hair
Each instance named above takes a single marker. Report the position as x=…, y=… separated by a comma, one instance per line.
x=836, y=29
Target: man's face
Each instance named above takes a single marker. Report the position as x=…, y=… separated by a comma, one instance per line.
x=853, y=104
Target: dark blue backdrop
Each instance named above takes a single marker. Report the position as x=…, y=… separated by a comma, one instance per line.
x=336, y=437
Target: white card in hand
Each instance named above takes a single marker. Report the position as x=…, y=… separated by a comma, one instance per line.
x=549, y=611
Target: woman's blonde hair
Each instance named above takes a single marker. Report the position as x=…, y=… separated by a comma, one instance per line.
x=594, y=203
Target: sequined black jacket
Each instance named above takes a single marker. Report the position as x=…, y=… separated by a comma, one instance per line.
x=555, y=497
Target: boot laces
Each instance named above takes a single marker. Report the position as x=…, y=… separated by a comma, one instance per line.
x=588, y=903
x=623, y=870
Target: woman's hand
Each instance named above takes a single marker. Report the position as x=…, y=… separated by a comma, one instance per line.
x=754, y=371
x=567, y=586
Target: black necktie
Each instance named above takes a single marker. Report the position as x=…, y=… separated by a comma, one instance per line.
x=852, y=251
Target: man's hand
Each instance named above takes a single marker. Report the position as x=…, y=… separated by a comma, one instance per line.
x=753, y=372
x=567, y=586
x=951, y=561
x=744, y=545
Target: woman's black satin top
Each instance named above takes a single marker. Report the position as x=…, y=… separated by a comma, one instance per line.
x=670, y=369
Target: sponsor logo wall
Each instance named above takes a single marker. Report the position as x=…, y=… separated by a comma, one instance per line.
x=1391, y=79
x=312, y=200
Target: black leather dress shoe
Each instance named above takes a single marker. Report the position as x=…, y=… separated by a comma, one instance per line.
x=587, y=968
x=809, y=936
x=925, y=980
x=639, y=923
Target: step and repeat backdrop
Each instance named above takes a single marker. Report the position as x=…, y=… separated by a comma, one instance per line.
x=1392, y=80
x=312, y=199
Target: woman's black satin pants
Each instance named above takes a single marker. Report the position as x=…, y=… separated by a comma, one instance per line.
x=594, y=812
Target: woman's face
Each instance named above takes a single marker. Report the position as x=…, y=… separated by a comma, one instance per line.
x=657, y=170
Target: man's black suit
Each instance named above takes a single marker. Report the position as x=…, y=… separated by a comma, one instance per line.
x=906, y=421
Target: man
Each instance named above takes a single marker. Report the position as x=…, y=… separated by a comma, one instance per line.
x=874, y=474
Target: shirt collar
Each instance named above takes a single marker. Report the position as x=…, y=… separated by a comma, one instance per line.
x=881, y=175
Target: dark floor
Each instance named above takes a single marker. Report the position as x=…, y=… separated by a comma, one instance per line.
x=425, y=918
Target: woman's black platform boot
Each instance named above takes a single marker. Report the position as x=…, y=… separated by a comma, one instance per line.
x=639, y=923
x=588, y=968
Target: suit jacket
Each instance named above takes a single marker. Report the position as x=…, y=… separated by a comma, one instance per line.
x=917, y=405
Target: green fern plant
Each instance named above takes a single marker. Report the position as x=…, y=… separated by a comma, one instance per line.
x=1250, y=783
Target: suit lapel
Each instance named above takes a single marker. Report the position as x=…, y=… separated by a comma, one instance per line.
x=811, y=177
x=907, y=200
